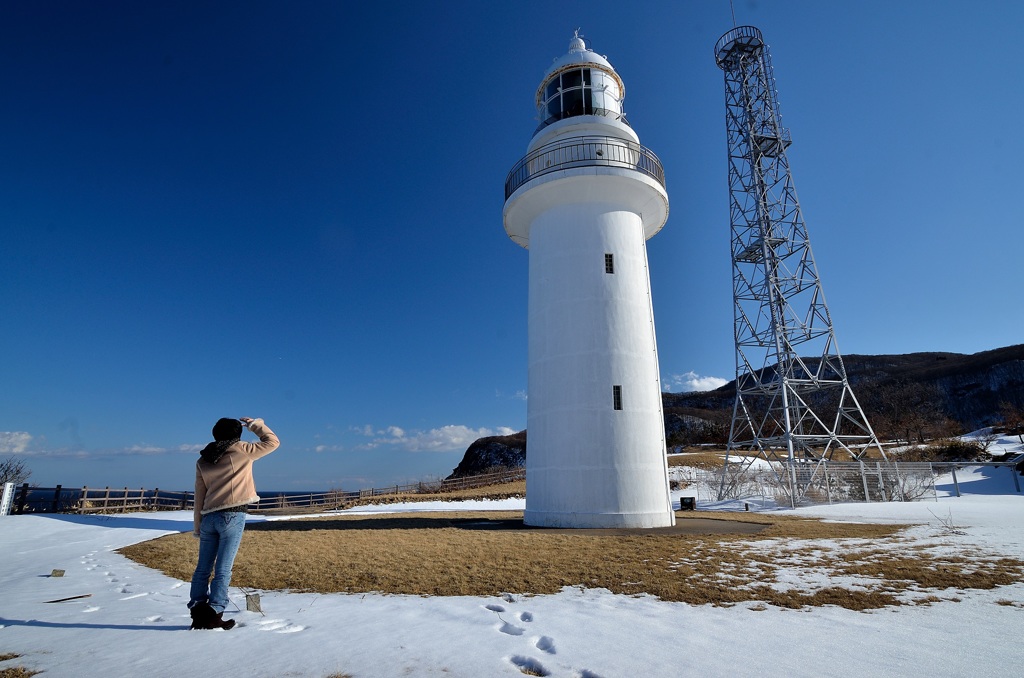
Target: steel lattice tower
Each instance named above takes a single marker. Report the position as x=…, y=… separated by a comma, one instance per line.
x=794, y=405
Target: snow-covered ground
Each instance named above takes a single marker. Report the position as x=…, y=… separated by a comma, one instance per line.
x=135, y=622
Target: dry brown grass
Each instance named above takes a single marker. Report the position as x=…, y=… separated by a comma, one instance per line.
x=17, y=672
x=706, y=459
x=14, y=671
x=447, y=554
x=492, y=492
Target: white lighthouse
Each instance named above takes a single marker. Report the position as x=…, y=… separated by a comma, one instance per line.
x=584, y=200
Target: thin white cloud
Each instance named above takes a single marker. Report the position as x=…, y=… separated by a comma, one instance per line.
x=691, y=381
x=453, y=437
x=14, y=442
x=140, y=450
x=59, y=452
x=144, y=449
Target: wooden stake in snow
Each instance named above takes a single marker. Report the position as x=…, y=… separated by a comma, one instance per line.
x=61, y=600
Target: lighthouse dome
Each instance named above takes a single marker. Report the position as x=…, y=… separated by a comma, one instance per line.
x=580, y=82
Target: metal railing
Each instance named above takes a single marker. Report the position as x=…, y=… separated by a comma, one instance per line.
x=842, y=481
x=742, y=38
x=584, y=152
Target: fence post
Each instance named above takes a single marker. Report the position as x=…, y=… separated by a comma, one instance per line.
x=81, y=499
x=864, y=482
x=22, y=498
x=956, y=485
x=153, y=502
x=1016, y=480
x=55, y=507
x=828, y=489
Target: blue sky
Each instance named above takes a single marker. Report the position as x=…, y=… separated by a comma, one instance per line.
x=293, y=211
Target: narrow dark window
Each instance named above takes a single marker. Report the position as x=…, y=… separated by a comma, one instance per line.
x=609, y=263
x=617, y=397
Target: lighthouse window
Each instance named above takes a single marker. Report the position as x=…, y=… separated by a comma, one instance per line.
x=617, y=397
x=572, y=78
x=552, y=89
x=609, y=263
x=572, y=103
x=568, y=94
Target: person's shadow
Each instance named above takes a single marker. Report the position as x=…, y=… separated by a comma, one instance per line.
x=179, y=524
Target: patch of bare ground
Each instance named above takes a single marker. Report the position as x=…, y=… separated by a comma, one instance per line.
x=14, y=671
x=491, y=492
x=705, y=459
x=864, y=566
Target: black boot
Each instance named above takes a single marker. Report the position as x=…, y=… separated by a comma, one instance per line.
x=203, y=617
x=219, y=622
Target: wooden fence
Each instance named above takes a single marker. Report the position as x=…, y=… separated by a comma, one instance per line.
x=61, y=499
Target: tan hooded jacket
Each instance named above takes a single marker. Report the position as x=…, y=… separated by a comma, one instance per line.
x=229, y=482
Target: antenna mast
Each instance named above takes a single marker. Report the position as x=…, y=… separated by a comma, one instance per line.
x=794, y=406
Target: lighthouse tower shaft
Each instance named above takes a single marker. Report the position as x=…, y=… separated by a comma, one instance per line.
x=584, y=200
x=794, y=405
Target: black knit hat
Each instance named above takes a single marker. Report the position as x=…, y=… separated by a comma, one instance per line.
x=227, y=429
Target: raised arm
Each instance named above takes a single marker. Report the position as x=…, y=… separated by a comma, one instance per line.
x=268, y=439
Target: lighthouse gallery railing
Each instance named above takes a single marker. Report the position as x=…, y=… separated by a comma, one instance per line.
x=584, y=152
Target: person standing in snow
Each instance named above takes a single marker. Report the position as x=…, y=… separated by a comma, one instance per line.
x=224, y=487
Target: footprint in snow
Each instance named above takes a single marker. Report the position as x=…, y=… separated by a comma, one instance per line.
x=546, y=644
x=511, y=629
x=526, y=616
x=495, y=608
x=529, y=665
